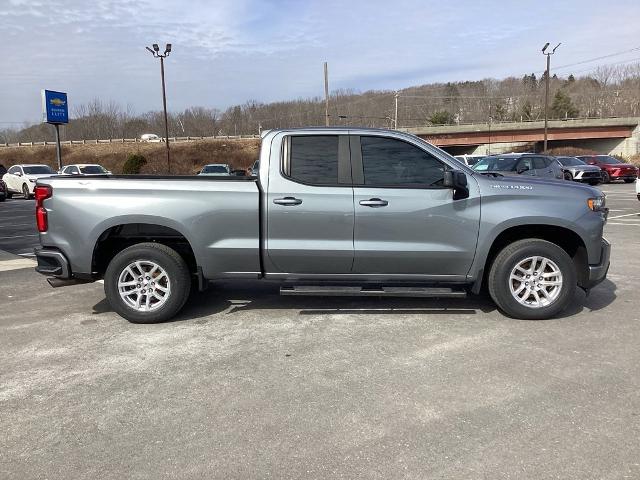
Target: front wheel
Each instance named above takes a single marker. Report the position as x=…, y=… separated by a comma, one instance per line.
x=605, y=177
x=147, y=283
x=568, y=176
x=532, y=279
x=25, y=191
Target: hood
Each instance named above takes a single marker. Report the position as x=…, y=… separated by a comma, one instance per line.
x=38, y=175
x=582, y=168
x=619, y=166
x=525, y=182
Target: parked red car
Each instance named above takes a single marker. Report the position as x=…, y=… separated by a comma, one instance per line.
x=612, y=168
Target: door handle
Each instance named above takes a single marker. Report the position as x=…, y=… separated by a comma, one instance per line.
x=374, y=203
x=289, y=201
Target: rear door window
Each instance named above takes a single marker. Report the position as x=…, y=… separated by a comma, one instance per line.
x=313, y=159
x=539, y=163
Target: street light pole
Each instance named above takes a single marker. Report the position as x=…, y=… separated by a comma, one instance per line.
x=156, y=53
x=395, y=122
x=326, y=94
x=546, y=89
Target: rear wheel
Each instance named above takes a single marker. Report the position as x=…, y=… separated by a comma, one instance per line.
x=147, y=283
x=25, y=191
x=568, y=176
x=532, y=279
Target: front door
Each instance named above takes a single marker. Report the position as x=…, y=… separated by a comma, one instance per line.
x=310, y=206
x=406, y=222
x=13, y=181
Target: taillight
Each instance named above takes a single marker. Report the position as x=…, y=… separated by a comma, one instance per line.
x=41, y=193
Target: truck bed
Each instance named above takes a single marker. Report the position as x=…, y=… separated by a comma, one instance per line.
x=218, y=216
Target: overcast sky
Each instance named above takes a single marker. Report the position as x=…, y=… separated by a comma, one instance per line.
x=228, y=51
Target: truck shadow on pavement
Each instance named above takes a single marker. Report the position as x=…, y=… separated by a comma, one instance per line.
x=231, y=298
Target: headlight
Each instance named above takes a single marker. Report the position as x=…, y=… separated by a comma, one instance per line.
x=596, y=204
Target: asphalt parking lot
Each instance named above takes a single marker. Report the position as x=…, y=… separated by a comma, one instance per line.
x=18, y=233
x=248, y=384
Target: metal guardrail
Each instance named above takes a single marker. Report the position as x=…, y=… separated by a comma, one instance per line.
x=129, y=140
x=500, y=122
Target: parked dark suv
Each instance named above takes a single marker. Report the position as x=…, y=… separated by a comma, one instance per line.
x=531, y=164
x=612, y=168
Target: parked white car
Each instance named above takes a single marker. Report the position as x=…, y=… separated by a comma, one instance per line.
x=84, y=169
x=150, y=137
x=216, y=170
x=469, y=160
x=21, y=179
x=638, y=188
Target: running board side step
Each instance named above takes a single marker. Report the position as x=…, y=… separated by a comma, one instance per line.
x=344, y=291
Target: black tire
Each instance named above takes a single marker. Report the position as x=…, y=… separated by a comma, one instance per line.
x=509, y=257
x=3, y=198
x=9, y=194
x=629, y=180
x=605, y=177
x=25, y=191
x=568, y=176
x=175, y=268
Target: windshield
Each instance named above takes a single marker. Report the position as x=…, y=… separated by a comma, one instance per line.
x=89, y=169
x=37, y=170
x=497, y=164
x=608, y=159
x=215, y=169
x=570, y=161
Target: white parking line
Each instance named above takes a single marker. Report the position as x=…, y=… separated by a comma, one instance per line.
x=625, y=215
x=27, y=224
x=19, y=236
x=18, y=263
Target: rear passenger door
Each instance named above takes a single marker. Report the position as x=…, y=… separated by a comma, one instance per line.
x=310, y=206
x=407, y=224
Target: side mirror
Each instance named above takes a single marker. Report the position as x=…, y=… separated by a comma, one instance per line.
x=456, y=180
x=18, y=174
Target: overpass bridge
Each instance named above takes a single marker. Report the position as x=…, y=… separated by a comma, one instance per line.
x=613, y=136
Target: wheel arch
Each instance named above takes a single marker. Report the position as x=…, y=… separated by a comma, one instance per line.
x=116, y=237
x=566, y=238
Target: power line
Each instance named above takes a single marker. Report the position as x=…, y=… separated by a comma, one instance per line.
x=597, y=58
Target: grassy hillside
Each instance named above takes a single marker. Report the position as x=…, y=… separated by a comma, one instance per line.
x=186, y=158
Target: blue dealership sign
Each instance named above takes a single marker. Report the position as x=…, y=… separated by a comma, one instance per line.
x=54, y=107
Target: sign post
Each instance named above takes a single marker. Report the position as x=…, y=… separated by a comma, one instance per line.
x=55, y=111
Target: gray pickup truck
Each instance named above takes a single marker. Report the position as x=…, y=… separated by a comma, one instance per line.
x=331, y=211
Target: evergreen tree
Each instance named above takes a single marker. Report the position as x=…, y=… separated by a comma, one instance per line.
x=562, y=106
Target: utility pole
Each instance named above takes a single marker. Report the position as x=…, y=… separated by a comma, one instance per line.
x=326, y=94
x=156, y=53
x=395, y=121
x=546, y=90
